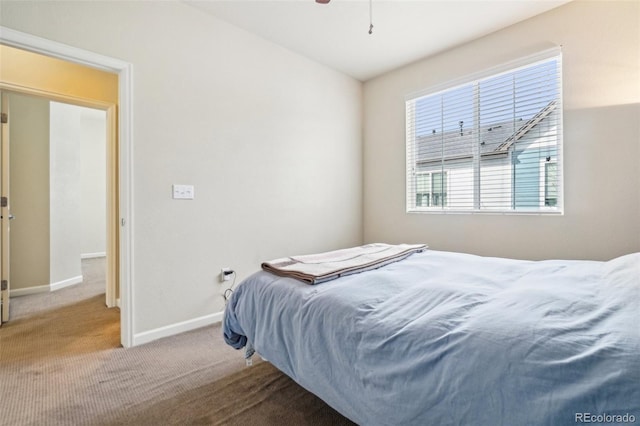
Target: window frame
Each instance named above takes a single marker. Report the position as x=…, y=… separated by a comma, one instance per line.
x=475, y=78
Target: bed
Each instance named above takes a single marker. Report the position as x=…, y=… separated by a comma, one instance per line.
x=443, y=338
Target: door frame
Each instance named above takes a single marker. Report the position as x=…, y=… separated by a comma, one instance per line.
x=120, y=216
x=5, y=210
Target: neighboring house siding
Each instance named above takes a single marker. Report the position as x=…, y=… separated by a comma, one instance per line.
x=511, y=178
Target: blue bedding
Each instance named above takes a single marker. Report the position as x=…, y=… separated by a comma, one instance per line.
x=454, y=339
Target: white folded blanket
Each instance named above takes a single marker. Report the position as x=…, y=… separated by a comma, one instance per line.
x=322, y=267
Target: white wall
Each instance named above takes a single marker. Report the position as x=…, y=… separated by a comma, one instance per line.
x=601, y=81
x=77, y=189
x=93, y=181
x=271, y=141
x=65, y=192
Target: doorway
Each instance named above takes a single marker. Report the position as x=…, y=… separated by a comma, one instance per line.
x=58, y=202
x=57, y=192
x=119, y=120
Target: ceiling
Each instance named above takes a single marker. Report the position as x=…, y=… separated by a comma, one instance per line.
x=337, y=34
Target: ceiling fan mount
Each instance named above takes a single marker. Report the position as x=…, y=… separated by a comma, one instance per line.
x=370, y=13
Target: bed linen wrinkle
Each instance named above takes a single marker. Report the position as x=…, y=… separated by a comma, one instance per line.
x=521, y=347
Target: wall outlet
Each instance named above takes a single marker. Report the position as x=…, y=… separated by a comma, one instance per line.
x=225, y=274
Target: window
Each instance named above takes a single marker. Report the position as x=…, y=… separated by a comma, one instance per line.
x=491, y=144
x=551, y=184
x=431, y=189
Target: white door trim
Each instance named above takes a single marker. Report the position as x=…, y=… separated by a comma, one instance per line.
x=125, y=140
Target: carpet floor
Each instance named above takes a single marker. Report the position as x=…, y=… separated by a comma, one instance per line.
x=61, y=364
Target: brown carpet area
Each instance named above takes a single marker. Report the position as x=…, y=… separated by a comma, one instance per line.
x=61, y=364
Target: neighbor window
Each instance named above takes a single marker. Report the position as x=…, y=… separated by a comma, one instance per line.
x=491, y=144
x=551, y=184
x=431, y=189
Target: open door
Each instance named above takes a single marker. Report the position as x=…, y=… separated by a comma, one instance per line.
x=5, y=215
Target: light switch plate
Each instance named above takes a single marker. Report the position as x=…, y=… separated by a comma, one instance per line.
x=183, y=192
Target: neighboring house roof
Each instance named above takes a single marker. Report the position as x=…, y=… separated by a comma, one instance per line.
x=530, y=124
x=495, y=139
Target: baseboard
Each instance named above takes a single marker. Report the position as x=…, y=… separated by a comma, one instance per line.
x=29, y=290
x=45, y=288
x=66, y=283
x=173, y=329
x=92, y=255
x=118, y=302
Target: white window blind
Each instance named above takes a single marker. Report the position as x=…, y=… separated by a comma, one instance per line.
x=492, y=144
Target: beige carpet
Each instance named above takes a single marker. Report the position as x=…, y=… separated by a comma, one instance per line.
x=61, y=364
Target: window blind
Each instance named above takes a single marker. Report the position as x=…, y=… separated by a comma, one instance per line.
x=491, y=144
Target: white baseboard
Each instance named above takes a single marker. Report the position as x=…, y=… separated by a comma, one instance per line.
x=118, y=302
x=173, y=329
x=45, y=288
x=66, y=283
x=92, y=255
